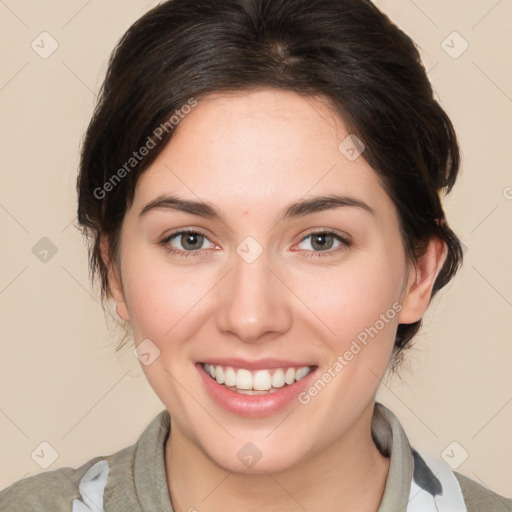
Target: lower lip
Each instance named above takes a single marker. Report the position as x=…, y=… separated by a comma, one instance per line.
x=253, y=406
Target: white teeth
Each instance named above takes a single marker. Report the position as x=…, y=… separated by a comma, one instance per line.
x=218, y=374
x=253, y=392
x=243, y=379
x=260, y=380
x=302, y=372
x=289, y=376
x=278, y=379
x=230, y=377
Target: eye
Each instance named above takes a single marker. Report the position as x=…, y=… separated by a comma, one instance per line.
x=324, y=241
x=185, y=243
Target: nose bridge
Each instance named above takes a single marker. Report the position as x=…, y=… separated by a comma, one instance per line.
x=253, y=301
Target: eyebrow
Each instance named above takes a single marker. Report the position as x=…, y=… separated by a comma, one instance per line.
x=297, y=209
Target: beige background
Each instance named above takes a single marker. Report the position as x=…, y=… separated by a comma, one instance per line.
x=60, y=379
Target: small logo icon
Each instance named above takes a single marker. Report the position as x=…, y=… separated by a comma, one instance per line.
x=351, y=147
x=44, y=250
x=454, y=45
x=44, y=45
x=146, y=352
x=44, y=455
x=249, y=455
x=249, y=249
x=454, y=455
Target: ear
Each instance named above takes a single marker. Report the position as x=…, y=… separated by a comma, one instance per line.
x=421, y=281
x=114, y=280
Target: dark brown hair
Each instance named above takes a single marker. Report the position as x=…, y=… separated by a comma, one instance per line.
x=345, y=51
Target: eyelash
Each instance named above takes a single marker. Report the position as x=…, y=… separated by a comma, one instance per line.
x=345, y=243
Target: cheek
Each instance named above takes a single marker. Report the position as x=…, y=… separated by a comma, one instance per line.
x=352, y=297
x=164, y=306
x=160, y=298
x=359, y=303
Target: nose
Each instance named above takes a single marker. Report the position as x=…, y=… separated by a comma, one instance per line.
x=254, y=304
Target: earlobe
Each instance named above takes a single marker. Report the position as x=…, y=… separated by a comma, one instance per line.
x=114, y=280
x=421, y=281
x=122, y=311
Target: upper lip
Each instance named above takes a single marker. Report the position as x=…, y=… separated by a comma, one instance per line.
x=260, y=364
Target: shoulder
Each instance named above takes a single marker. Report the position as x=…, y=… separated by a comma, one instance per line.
x=113, y=482
x=60, y=490
x=478, y=498
x=51, y=490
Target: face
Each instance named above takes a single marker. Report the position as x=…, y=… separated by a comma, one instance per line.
x=269, y=284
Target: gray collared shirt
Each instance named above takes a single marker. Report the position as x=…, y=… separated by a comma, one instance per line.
x=134, y=479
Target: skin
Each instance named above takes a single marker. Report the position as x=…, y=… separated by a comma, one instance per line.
x=250, y=155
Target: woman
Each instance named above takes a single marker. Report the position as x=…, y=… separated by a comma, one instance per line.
x=260, y=184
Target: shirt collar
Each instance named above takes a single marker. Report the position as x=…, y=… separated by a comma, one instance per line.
x=389, y=436
x=151, y=481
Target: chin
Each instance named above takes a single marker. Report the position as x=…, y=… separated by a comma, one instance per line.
x=250, y=461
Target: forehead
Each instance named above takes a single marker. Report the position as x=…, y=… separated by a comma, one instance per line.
x=245, y=147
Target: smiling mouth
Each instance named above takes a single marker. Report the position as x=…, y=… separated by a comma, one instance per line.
x=255, y=382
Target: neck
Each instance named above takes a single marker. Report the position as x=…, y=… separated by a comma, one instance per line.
x=348, y=475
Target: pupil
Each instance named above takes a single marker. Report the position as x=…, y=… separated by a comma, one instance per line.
x=191, y=239
x=319, y=239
